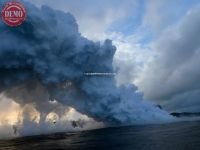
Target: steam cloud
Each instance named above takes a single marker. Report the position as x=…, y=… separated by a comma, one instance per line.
x=44, y=60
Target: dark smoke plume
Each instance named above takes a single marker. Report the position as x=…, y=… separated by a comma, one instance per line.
x=43, y=55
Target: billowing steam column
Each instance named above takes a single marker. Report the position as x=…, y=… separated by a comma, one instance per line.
x=46, y=51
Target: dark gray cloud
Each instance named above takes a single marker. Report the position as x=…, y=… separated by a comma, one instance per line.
x=172, y=78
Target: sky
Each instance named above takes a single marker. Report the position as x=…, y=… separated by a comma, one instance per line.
x=158, y=46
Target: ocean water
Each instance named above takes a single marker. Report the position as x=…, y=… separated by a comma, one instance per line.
x=175, y=136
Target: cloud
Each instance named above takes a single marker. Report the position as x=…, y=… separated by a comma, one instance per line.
x=172, y=78
x=94, y=17
x=129, y=58
x=162, y=14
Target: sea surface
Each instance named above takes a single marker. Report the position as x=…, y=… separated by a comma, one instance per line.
x=175, y=136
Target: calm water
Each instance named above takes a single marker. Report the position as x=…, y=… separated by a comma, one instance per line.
x=176, y=136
